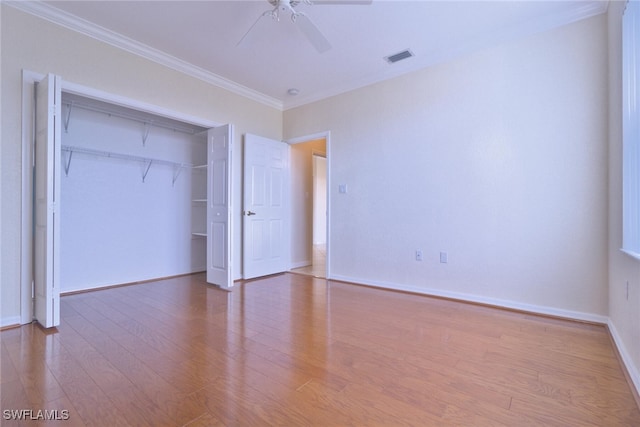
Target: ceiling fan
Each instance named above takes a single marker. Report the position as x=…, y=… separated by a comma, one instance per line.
x=313, y=34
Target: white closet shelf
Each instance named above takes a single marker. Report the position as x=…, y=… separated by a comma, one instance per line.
x=147, y=119
x=178, y=166
x=120, y=156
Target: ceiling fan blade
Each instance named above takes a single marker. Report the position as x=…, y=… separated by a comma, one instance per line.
x=268, y=12
x=317, y=39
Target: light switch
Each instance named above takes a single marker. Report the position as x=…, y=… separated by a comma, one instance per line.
x=342, y=188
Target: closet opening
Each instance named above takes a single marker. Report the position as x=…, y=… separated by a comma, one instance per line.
x=133, y=193
x=119, y=193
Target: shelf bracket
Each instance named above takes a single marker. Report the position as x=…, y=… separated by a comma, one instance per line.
x=67, y=163
x=66, y=120
x=146, y=171
x=177, y=170
x=145, y=134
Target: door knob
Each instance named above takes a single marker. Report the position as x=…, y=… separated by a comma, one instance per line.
x=249, y=213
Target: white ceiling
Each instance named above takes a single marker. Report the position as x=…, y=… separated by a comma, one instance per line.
x=201, y=37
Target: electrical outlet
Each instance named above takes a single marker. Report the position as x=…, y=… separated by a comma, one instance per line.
x=418, y=255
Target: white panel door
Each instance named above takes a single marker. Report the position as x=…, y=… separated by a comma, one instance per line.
x=47, y=202
x=219, y=143
x=266, y=207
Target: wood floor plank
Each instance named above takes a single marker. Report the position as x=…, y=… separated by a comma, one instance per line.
x=14, y=397
x=91, y=403
x=239, y=403
x=8, y=371
x=66, y=415
x=206, y=420
x=295, y=350
x=39, y=382
x=33, y=372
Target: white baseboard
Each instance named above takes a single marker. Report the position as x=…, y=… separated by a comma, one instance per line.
x=299, y=264
x=10, y=321
x=538, y=309
x=132, y=281
x=551, y=311
x=626, y=358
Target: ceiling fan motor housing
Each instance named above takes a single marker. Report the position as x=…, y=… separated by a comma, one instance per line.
x=304, y=23
x=284, y=4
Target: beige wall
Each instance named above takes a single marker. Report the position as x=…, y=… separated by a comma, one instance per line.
x=40, y=46
x=624, y=310
x=509, y=159
x=498, y=158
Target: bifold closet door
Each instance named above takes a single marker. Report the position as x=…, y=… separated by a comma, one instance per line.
x=219, y=237
x=47, y=201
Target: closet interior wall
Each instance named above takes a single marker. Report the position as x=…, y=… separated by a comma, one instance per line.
x=127, y=196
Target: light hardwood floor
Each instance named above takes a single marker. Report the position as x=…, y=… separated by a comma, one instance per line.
x=294, y=350
x=318, y=267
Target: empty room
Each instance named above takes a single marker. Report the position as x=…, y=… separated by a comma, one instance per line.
x=196, y=204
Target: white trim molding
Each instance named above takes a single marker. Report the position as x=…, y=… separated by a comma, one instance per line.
x=627, y=361
x=7, y=322
x=631, y=254
x=122, y=101
x=495, y=302
x=301, y=264
x=447, y=52
x=74, y=23
x=444, y=53
x=624, y=354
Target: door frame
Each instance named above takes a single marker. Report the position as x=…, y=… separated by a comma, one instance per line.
x=28, y=103
x=327, y=137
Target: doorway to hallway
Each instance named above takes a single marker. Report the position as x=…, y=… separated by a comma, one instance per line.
x=309, y=207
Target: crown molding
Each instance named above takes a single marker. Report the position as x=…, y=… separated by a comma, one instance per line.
x=443, y=54
x=449, y=52
x=74, y=23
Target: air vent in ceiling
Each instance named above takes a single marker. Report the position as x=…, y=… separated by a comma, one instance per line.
x=392, y=59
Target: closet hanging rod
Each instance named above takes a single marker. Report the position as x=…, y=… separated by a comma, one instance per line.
x=119, y=156
x=154, y=122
